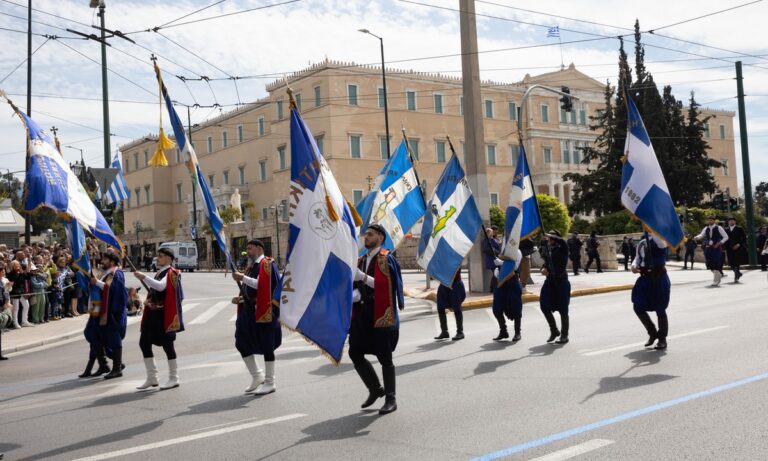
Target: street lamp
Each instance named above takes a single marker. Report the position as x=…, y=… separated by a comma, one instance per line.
x=277, y=210
x=384, y=84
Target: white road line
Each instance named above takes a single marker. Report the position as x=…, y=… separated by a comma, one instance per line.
x=189, y=307
x=210, y=313
x=189, y=438
x=635, y=345
x=234, y=317
x=576, y=450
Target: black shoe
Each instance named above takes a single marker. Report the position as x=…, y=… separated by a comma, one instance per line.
x=685, y=268
x=516, y=338
x=600, y=271
x=563, y=340
x=117, y=364
x=459, y=336
x=390, y=404
x=576, y=273
x=114, y=374
x=443, y=335
x=88, y=368
x=661, y=345
x=2, y=357
x=103, y=368
x=502, y=335
x=553, y=336
x=651, y=339
x=373, y=396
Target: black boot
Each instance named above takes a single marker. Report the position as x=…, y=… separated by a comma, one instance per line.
x=663, y=330
x=117, y=364
x=517, y=337
x=564, y=323
x=368, y=375
x=553, y=331
x=459, y=326
x=103, y=367
x=645, y=319
x=390, y=404
x=443, y=325
x=88, y=368
x=502, y=328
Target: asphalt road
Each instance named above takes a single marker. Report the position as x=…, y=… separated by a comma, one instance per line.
x=600, y=397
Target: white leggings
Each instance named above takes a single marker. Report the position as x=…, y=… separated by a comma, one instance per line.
x=24, y=310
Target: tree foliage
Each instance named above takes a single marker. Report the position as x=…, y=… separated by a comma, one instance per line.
x=554, y=215
x=497, y=218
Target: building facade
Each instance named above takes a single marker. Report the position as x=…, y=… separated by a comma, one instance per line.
x=248, y=149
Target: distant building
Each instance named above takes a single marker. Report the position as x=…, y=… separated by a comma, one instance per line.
x=11, y=225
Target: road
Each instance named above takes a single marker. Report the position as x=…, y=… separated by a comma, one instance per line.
x=600, y=397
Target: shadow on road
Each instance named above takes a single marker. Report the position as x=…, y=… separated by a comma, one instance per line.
x=218, y=405
x=493, y=365
x=330, y=369
x=291, y=355
x=621, y=382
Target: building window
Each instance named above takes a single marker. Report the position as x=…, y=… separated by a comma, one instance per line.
x=488, y=108
x=211, y=180
x=547, y=152
x=381, y=97
x=281, y=156
x=261, y=125
x=512, y=110
x=210, y=144
x=583, y=114
x=383, y=148
x=226, y=177
x=724, y=161
x=514, y=150
x=136, y=161
x=352, y=95
x=706, y=129
x=566, y=151
x=410, y=100
x=297, y=96
x=178, y=155
x=146, y=157
x=317, y=96
x=146, y=195
x=127, y=163
x=414, y=144
x=461, y=106
x=262, y=170
x=722, y=131
x=576, y=152
x=240, y=134
x=490, y=151
x=137, y=194
x=357, y=196
x=264, y=214
x=320, y=144
x=438, y=103
x=241, y=172
x=178, y=193
x=354, y=146
x=545, y=113
x=440, y=151
x=563, y=116
x=224, y=139
x=573, y=117
x=280, y=109
x=495, y=198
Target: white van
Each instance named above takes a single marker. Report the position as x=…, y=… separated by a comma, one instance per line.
x=185, y=255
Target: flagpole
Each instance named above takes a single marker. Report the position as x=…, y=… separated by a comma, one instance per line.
x=413, y=162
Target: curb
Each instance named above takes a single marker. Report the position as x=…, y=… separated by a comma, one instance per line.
x=43, y=342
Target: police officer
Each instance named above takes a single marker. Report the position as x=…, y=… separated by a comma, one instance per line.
x=713, y=238
x=375, y=327
x=651, y=290
x=735, y=247
x=690, y=250
x=451, y=298
x=593, y=253
x=556, y=291
x=574, y=252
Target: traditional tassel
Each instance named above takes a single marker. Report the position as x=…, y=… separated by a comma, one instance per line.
x=355, y=216
x=331, y=210
x=158, y=159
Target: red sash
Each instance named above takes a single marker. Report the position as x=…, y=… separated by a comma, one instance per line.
x=105, y=297
x=383, y=304
x=171, y=321
x=264, y=292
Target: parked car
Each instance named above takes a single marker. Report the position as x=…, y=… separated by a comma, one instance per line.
x=185, y=255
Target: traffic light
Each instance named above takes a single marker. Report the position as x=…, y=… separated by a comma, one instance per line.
x=733, y=204
x=566, y=103
x=718, y=201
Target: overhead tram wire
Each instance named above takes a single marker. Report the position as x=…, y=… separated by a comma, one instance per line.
x=193, y=13
x=24, y=61
x=46, y=13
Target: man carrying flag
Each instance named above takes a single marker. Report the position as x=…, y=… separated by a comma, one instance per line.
x=113, y=315
x=644, y=193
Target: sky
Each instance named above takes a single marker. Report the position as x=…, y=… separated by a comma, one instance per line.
x=693, y=48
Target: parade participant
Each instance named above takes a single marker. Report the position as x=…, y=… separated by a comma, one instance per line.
x=556, y=292
x=690, y=250
x=651, y=290
x=625, y=252
x=713, y=238
x=257, y=328
x=508, y=300
x=762, y=239
x=162, y=318
x=113, y=316
x=451, y=298
x=92, y=333
x=491, y=247
x=574, y=252
x=375, y=327
x=735, y=247
x=593, y=253
x=527, y=248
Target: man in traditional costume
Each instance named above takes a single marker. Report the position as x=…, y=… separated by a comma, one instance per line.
x=652, y=288
x=556, y=292
x=713, y=239
x=451, y=298
x=113, y=315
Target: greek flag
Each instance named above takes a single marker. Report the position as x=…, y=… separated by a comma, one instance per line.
x=522, y=219
x=52, y=184
x=118, y=191
x=398, y=202
x=643, y=188
x=315, y=291
x=451, y=225
x=553, y=32
x=196, y=174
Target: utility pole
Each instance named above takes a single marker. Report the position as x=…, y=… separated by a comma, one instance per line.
x=104, y=87
x=474, y=140
x=194, y=189
x=748, y=205
x=29, y=106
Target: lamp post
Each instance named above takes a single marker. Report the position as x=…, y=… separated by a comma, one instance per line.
x=384, y=85
x=277, y=210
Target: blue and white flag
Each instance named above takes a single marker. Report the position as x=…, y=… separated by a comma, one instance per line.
x=398, y=203
x=450, y=226
x=644, y=191
x=553, y=32
x=315, y=291
x=366, y=204
x=80, y=259
x=118, y=191
x=522, y=217
x=196, y=174
x=50, y=183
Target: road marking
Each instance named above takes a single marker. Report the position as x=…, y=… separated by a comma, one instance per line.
x=636, y=345
x=619, y=418
x=576, y=450
x=210, y=313
x=189, y=307
x=189, y=438
x=233, y=318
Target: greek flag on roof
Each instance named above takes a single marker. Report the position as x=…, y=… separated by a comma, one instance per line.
x=398, y=202
x=118, y=191
x=553, y=32
x=643, y=188
x=522, y=219
x=50, y=183
x=450, y=226
x=196, y=174
x=315, y=291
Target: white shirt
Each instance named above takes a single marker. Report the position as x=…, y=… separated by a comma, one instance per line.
x=371, y=254
x=251, y=281
x=157, y=285
x=712, y=230
x=639, y=261
x=100, y=283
